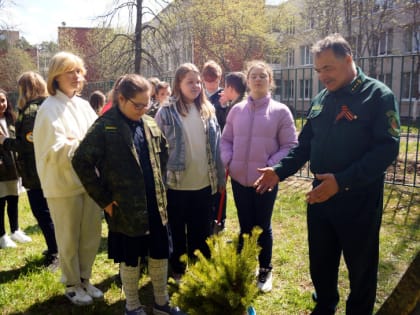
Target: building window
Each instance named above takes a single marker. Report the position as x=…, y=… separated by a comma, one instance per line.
x=385, y=43
x=407, y=85
x=412, y=38
x=305, y=87
x=310, y=22
x=305, y=55
x=385, y=78
x=274, y=59
x=290, y=56
x=289, y=89
x=383, y=5
x=291, y=27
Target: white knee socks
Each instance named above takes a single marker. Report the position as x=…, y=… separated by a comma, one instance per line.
x=158, y=272
x=130, y=281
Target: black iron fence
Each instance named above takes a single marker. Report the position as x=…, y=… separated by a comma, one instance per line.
x=295, y=86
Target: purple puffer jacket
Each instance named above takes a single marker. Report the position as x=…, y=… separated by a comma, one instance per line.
x=257, y=133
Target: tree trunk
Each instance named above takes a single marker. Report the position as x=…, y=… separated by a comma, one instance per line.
x=137, y=37
x=405, y=298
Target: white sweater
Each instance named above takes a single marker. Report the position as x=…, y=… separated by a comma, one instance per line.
x=61, y=123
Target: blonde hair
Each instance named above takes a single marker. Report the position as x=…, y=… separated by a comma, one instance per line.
x=60, y=63
x=31, y=86
x=204, y=107
x=261, y=64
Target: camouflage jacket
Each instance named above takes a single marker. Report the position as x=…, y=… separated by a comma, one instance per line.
x=24, y=144
x=108, y=166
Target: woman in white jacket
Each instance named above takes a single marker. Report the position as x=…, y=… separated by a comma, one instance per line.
x=60, y=125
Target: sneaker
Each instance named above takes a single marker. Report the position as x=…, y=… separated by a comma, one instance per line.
x=20, y=237
x=78, y=296
x=6, y=242
x=265, y=280
x=137, y=311
x=51, y=262
x=91, y=290
x=166, y=310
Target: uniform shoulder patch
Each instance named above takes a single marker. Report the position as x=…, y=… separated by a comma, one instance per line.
x=111, y=128
x=394, y=123
x=316, y=109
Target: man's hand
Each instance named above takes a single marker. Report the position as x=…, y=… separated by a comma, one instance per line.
x=266, y=181
x=108, y=208
x=323, y=191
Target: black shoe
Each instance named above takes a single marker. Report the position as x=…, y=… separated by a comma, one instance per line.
x=166, y=310
x=52, y=262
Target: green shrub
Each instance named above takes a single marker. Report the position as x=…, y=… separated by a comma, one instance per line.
x=223, y=284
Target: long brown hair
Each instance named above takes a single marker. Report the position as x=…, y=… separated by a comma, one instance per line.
x=204, y=107
x=31, y=87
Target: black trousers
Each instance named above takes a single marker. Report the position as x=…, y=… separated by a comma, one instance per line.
x=346, y=224
x=189, y=213
x=12, y=213
x=256, y=209
x=42, y=214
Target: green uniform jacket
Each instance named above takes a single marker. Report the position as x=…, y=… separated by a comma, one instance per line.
x=352, y=132
x=24, y=144
x=8, y=169
x=107, y=164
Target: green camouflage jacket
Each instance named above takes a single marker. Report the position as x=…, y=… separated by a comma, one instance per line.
x=108, y=166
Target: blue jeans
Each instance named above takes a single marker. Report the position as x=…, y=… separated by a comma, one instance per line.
x=256, y=210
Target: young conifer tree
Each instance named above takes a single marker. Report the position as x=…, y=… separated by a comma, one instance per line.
x=224, y=283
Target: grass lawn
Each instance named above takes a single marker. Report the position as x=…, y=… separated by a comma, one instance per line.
x=28, y=288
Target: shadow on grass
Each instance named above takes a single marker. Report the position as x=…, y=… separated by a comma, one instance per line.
x=401, y=214
x=401, y=209
x=60, y=305
x=13, y=274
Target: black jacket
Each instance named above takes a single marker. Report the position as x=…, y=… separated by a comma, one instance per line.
x=24, y=146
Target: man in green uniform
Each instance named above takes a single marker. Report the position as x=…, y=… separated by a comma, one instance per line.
x=351, y=136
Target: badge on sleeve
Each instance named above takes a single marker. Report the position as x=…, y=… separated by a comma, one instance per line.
x=394, y=123
x=29, y=137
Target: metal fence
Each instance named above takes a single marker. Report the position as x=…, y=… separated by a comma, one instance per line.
x=296, y=86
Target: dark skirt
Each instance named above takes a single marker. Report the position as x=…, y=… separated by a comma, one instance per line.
x=157, y=244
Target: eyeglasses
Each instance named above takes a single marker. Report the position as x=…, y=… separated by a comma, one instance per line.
x=138, y=105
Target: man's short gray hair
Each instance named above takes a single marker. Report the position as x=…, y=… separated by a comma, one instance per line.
x=335, y=42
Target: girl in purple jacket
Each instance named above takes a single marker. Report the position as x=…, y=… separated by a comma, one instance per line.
x=259, y=132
